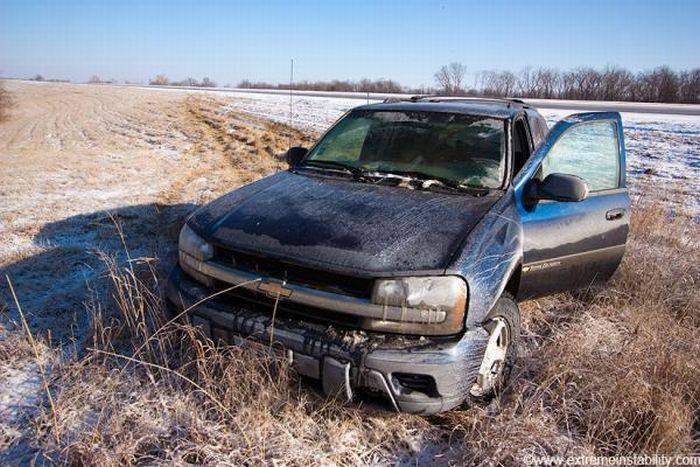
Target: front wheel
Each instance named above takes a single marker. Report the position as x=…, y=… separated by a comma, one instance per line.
x=503, y=325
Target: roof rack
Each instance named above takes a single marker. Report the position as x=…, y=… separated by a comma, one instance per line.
x=434, y=98
x=393, y=100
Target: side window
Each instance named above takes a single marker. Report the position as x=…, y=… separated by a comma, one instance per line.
x=539, y=129
x=588, y=150
x=542, y=124
x=521, y=146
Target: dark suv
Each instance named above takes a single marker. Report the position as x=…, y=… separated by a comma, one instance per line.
x=390, y=257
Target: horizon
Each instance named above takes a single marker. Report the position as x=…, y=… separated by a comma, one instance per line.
x=255, y=41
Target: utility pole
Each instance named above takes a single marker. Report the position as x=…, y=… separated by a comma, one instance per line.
x=291, y=111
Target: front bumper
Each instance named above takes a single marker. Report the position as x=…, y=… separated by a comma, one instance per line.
x=343, y=361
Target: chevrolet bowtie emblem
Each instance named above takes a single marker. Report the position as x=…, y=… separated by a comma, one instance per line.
x=275, y=290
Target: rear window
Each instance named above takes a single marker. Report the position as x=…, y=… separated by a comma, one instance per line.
x=467, y=149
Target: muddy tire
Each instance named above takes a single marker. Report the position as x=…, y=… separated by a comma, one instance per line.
x=500, y=354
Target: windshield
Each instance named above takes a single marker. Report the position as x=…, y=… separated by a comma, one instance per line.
x=465, y=149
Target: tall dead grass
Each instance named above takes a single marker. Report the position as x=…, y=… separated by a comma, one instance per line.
x=624, y=375
x=155, y=391
x=253, y=146
x=5, y=103
x=610, y=371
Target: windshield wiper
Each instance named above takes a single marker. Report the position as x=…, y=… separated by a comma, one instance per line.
x=357, y=173
x=442, y=181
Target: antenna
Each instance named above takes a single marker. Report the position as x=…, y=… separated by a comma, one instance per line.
x=291, y=112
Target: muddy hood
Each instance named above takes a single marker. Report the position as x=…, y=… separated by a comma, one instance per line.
x=342, y=225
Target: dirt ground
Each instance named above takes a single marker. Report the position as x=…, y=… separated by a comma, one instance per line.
x=74, y=155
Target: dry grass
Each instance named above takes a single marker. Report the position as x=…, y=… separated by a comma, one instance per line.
x=250, y=145
x=175, y=397
x=610, y=371
x=5, y=103
x=624, y=374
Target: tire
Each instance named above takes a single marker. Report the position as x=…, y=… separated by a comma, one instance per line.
x=504, y=315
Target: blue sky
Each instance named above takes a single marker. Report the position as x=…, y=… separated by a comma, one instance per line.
x=403, y=40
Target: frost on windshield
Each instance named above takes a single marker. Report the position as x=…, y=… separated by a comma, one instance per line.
x=466, y=149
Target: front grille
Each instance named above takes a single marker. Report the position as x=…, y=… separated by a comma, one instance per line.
x=286, y=309
x=331, y=282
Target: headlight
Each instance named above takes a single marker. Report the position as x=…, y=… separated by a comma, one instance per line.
x=194, y=245
x=440, y=295
x=193, y=250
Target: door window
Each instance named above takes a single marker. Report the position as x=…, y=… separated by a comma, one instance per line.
x=538, y=128
x=588, y=150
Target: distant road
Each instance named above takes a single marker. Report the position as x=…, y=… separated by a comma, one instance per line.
x=593, y=106
x=636, y=107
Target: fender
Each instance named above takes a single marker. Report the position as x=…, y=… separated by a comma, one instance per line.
x=490, y=256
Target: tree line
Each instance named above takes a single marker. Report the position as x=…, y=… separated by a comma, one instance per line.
x=661, y=84
x=162, y=80
x=365, y=85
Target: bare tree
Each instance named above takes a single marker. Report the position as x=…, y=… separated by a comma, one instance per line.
x=508, y=81
x=546, y=83
x=189, y=82
x=689, y=86
x=159, y=80
x=207, y=83
x=666, y=83
x=499, y=83
x=617, y=84
x=450, y=78
x=525, y=82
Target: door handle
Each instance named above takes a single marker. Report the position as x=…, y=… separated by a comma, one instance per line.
x=614, y=214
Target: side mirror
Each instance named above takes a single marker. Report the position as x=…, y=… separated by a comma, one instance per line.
x=557, y=187
x=295, y=155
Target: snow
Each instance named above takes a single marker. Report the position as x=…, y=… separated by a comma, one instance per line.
x=21, y=386
x=309, y=113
